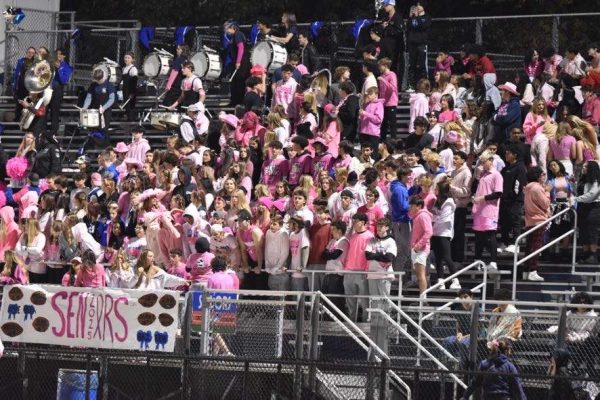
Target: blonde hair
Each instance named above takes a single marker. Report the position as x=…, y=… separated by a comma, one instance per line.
x=306, y=183
x=32, y=229
x=425, y=180
x=243, y=203
x=273, y=120
x=433, y=157
x=534, y=106
x=12, y=260
x=120, y=261
x=312, y=100
x=443, y=81
x=320, y=82
x=578, y=134
x=261, y=190
x=55, y=231
x=22, y=150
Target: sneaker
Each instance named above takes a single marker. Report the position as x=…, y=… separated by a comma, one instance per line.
x=410, y=90
x=443, y=285
x=502, y=248
x=492, y=267
x=510, y=249
x=455, y=285
x=533, y=276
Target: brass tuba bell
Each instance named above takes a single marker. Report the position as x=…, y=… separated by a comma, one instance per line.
x=39, y=77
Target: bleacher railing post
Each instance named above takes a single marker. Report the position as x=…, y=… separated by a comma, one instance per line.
x=299, y=345
x=562, y=327
x=555, y=33
x=478, y=31
x=474, y=337
x=314, y=340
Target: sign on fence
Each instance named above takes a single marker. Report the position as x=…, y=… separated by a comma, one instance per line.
x=85, y=317
x=223, y=314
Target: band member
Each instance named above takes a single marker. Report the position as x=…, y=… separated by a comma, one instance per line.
x=48, y=158
x=176, y=75
x=101, y=96
x=61, y=78
x=192, y=90
x=33, y=112
x=288, y=33
x=43, y=53
x=130, y=78
x=187, y=130
x=392, y=39
x=18, y=83
x=239, y=55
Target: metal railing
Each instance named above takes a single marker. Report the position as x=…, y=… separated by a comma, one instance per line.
x=478, y=263
x=543, y=225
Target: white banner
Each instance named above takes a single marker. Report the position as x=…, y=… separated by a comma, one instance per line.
x=85, y=317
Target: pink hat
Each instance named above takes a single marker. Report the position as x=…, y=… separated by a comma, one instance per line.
x=280, y=204
x=229, y=119
x=121, y=147
x=257, y=70
x=302, y=69
x=96, y=179
x=266, y=201
x=329, y=108
x=451, y=137
x=133, y=161
x=509, y=87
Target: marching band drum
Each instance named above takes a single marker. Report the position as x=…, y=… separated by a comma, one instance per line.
x=89, y=118
x=269, y=54
x=207, y=64
x=112, y=71
x=157, y=64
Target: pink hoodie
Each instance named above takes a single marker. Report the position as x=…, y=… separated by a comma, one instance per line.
x=388, y=89
x=26, y=198
x=95, y=278
x=419, y=107
x=138, y=150
x=422, y=230
x=9, y=242
x=532, y=127
x=372, y=117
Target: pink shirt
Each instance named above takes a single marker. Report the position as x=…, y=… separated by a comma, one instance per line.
x=422, y=230
x=562, y=150
x=222, y=280
x=447, y=116
x=94, y=278
x=356, y=259
x=531, y=126
x=388, y=89
x=274, y=171
x=485, y=214
x=199, y=265
x=283, y=93
x=374, y=214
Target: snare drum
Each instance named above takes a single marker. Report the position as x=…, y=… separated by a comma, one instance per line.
x=270, y=55
x=156, y=120
x=157, y=64
x=171, y=119
x=89, y=118
x=112, y=72
x=207, y=64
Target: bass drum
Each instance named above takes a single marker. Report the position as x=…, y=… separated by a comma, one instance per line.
x=112, y=72
x=207, y=64
x=270, y=55
x=157, y=64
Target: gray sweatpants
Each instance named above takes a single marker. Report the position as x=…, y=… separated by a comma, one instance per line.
x=379, y=325
x=356, y=285
x=401, y=234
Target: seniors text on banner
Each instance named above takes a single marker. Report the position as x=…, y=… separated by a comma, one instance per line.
x=84, y=317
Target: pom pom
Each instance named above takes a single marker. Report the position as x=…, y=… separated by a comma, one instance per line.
x=16, y=167
x=43, y=185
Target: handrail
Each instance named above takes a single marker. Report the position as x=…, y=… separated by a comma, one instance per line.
x=419, y=346
x=534, y=253
x=311, y=285
x=448, y=304
x=353, y=325
x=454, y=275
x=420, y=328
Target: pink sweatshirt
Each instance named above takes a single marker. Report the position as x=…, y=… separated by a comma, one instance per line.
x=531, y=126
x=388, y=89
x=283, y=93
x=94, y=278
x=537, y=204
x=273, y=171
x=138, y=150
x=419, y=107
x=485, y=214
x=356, y=259
x=9, y=242
x=422, y=230
x=371, y=118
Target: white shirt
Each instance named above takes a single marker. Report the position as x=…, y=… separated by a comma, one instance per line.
x=277, y=250
x=161, y=280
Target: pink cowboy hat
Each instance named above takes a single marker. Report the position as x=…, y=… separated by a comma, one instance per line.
x=121, y=147
x=509, y=87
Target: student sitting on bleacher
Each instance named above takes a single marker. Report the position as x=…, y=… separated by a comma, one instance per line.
x=581, y=321
x=506, y=321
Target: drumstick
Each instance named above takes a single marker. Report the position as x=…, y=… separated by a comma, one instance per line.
x=232, y=75
x=161, y=106
x=124, y=104
x=159, y=97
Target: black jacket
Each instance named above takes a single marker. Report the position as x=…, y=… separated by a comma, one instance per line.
x=348, y=114
x=47, y=160
x=310, y=58
x=418, y=29
x=186, y=187
x=393, y=34
x=515, y=179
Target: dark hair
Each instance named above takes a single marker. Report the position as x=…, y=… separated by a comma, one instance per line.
x=287, y=68
x=534, y=173
x=304, y=32
x=370, y=49
x=188, y=64
x=88, y=257
x=138, y=129
x=403, y=171
x=347, y=147
x=528, y=56
x=464, y=291
x=366, y=145
x=581, y=298
x=476, y=49
x=176, y=252
x=360, y=217
x=79, y=176
x=593, y=173
x=561, y=169
x=340, y=225
x=417, y=201
x=374, y=192
x=218, y=264
x=421, y=121
x=461, y=154
x=450, y=100
x=443, y=194
x=348, y=87
x=503, y=295
x=514, y=148
x=276, y=144
x=384, y=222
x=371, y=66
x=548, y=52
x=370, y=175
x=253, y=81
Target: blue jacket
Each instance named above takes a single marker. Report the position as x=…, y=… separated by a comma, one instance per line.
x=495, y=383
x=508, y=116
x=17, y=74
x=399, y=201
x=62, y=75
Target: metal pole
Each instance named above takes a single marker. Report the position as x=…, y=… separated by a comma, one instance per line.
x=562, y=327
x=204, y=339
x=478, y=31
x=314, y=340
x=87, y=376
x=474, y=332
x=299, y=346
x=555, y=33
